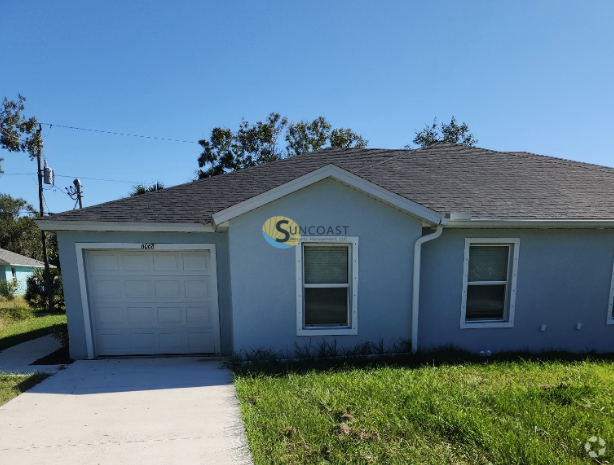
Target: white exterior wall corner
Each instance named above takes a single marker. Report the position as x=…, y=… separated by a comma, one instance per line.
x=263, y=277
x=564, y=278
x=70, y=276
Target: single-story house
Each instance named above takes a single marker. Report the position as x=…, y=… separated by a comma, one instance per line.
x=441, y=245
x=14, y=266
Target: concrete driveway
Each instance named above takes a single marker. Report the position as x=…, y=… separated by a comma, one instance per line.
x=148, y=410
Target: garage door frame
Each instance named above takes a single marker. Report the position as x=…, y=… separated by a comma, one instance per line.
x=82, y=248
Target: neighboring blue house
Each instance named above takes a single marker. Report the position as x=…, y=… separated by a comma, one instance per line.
x=17, y=267
x=441, y=245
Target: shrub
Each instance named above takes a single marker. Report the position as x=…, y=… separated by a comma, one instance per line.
x=8, y=288
x=60, y=332
x=36, y=293
x=16, y=313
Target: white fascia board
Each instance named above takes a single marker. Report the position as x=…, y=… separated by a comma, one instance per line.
x=338, y=174
x=531, y=223
x=51, y=225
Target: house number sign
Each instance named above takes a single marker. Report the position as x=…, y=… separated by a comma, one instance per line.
x=148, y=246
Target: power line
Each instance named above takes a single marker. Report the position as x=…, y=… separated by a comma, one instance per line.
x=17, y=174
x=80, y=177
x=97, y=179
x=120, y=133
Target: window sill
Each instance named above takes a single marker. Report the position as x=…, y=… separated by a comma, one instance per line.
x=487, y=325
x=610, y=321
x=327, y=332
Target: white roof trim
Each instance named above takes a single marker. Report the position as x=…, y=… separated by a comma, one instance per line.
x=530, y=223
x=344, y=177
x=51, y=225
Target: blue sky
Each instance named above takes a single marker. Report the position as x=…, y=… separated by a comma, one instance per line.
x=524, y=75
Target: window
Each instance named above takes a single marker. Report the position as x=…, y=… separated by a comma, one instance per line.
x=327, y=282
x=14, y=274
x=489, y=283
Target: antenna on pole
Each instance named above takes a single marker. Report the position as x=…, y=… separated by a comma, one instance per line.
x=75, y=192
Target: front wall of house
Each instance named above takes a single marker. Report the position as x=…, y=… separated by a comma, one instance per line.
x=72, y=293
x=564, y=278
x=21, y=274
x=264, y=277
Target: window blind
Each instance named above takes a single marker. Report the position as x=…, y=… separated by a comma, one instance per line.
x=326, y=265
x=488, y=263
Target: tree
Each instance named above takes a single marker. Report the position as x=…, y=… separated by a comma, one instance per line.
x=452, y=133
x=18, y=232
x=16, y=132
x=144, y=188
x=256, y=144
x=306, y=136
x=21, y=134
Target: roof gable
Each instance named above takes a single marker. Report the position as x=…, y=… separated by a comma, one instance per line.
x=338, y=174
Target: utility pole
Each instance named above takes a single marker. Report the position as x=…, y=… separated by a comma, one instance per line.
x=42, y=210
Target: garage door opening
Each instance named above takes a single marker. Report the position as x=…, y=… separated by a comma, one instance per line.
x=153, y=302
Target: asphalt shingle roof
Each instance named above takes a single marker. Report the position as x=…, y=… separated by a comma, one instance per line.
x=444, y=177
x=11, y=258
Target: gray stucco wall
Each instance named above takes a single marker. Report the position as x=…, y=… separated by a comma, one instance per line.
x=563, y=279
x=72, y=293
x=264, y=277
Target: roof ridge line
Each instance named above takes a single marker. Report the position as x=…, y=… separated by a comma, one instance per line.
x=388, y=159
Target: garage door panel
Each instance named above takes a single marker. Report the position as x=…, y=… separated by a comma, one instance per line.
x=138, y=316
x=106, y=289
x=172, y=341
x=196, y=289
x=153, y=303
x=137, y=289
x=199, y=314
x=113, y=343
x=170, y=315
x=110, y=316
x=100, y=262
x=166, y=261
x=136, y=262
x=196, y=263
x=200, y=340
x=167, y=289
x=143, y=341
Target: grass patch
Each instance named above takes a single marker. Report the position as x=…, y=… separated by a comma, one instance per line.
x=13, y=385
x=18, y=323
x=502, y=410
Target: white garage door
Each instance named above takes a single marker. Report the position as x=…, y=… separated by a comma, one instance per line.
x=152, y=302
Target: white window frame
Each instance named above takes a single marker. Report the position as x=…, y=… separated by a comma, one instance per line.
x=352, y=328
x=610, y=317
x=510, y=306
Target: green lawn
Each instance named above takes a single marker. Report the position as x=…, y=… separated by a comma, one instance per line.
x=505, y=412
x=13, y=385
x=19, y=324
